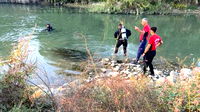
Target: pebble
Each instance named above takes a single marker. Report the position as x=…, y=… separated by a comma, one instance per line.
x=116, y=68
x=103, y=70
x=157, y=72
x=113, y=74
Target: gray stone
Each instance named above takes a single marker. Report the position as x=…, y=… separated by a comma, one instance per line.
x=103, y=70
x=116, y=68
x=113, y=74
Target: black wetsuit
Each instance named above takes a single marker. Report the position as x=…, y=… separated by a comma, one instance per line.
x=121, y=41
x=49, y=29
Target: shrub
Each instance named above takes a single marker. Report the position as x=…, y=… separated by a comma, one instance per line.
x=13, y=87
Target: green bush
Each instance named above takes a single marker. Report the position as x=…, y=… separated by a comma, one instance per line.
x=179, y=6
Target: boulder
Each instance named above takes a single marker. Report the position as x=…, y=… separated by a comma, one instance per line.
x=185, y=73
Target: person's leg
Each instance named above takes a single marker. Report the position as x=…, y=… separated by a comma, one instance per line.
x=152, y=55
x=146, y=64
x=145, y=67
x=141, y=50
x=119, y=43
x=125, y=44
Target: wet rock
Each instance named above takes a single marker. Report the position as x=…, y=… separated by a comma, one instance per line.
x=116, y=68
x=113, y=63
x=103, y=70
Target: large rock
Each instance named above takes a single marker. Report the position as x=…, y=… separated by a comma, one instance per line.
x=185, y=73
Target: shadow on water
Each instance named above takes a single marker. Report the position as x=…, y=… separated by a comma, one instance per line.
x=70, y=54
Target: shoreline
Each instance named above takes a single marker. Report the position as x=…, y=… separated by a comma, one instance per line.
x=90, y=8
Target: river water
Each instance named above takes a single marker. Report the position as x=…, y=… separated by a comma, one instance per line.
x=181, y=35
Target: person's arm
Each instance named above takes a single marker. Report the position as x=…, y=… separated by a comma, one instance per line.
x=159, y=44
x=116, y=34
x=146, y=49
x=137, y=29
x=128, y=33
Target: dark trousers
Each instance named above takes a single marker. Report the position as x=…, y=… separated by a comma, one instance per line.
x=141, y=49
x=119, y=43
x=148, y=58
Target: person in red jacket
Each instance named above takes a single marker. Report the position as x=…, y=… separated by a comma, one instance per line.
x=150, y=51
x=144, y=34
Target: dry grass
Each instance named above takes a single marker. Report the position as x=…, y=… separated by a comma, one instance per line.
x=116, y=94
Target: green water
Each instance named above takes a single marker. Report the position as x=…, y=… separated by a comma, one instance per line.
x=181, y=34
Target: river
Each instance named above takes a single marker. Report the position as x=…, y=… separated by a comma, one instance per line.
x=181, y=35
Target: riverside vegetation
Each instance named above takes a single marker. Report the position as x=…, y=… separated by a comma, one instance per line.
x=134, y=6
x=124, y=6
x=105, y=85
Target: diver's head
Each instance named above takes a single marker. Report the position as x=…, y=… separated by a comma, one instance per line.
x=48, y=25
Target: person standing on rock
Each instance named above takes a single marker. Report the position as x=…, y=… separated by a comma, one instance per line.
x=144, y=34
x=150, y=51
x=122, y=35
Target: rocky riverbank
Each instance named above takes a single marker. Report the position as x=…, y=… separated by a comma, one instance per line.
x=106, y=67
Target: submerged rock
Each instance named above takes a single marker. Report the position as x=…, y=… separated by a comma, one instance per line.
x=71, y=54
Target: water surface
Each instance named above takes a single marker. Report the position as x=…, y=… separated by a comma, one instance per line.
x=181, y=35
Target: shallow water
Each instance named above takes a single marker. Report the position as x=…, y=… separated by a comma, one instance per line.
x=181, y=35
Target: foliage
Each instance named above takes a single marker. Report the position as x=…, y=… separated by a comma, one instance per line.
x=13, y=87
x=135, y=94
x=136, y=6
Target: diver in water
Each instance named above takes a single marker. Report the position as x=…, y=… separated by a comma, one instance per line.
x=49, y=28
